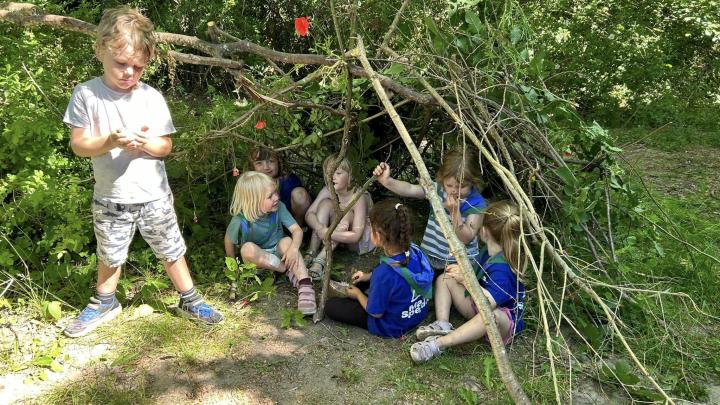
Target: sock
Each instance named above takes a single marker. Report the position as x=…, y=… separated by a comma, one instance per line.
x=305, y=281
x=105, y=298
x=190, y=296
x=445, y=325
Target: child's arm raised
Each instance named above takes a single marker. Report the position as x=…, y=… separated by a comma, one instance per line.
x=467, y=229
x=399, y=187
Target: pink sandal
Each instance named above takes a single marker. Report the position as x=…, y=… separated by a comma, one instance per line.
x=306, y=300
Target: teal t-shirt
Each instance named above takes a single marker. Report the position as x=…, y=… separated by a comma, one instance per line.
x=265, y=232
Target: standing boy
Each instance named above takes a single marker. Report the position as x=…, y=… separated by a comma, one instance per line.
x=124, y=126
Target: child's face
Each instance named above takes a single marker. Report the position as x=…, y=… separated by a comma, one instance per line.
x=271, y=200
x=122, y=70
x=268, y=166
x=454, y=188
x=341, y=179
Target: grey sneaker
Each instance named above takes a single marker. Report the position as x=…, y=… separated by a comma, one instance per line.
x=200, y=311
x=94, y=315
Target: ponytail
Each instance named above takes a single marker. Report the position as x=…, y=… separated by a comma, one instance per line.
x=392, y=220
x=503, y=221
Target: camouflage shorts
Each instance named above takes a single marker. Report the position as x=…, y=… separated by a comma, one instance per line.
x=115, y=226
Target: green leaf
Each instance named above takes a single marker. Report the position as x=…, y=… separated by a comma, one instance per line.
x=56, y=367
x=54, y=310
x=515, y=35
x=231, y=264
x=394, y=70
x=659, y=249
x=566, y=175
x=124, y=359
x=43, y=361
x=474, y=22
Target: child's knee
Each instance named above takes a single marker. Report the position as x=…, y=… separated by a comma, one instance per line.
x=248, y=250
x=300, y=196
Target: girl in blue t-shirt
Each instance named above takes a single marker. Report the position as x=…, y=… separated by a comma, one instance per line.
x=398, y=289
x=499, y=270
x=257, y=227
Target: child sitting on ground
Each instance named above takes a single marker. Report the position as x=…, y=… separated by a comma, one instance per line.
x=256, y=226
x=457, y=184
x=399, y=287
x=499, y=270
x=124, y=125
x=292, y=193
x=353, y=230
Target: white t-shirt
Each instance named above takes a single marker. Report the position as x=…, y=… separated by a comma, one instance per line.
x=123, y=176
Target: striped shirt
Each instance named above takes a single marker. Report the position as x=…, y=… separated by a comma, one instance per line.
x=434, y=243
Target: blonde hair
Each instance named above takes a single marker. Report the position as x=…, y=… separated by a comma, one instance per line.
x=344, y=165
x=462, y=166
x=249, y=193
x=502, y=219
x=122, y=27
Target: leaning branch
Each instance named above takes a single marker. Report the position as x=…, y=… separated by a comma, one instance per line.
x=457, y=249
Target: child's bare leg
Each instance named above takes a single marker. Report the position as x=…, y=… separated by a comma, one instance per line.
x=300, y=202
x=179, y=274
x=252, y=253
x=108, y=278
x=473, y=330
x=299, y=269
x=299, y=277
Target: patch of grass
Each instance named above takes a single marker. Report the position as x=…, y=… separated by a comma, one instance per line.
x=101, y=388
x=668, y=138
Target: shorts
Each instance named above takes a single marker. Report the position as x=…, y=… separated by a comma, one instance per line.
x=115, y=226
x=511, y=329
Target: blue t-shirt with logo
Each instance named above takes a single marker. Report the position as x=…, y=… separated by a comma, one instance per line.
x=498, y=279
x=401, y=307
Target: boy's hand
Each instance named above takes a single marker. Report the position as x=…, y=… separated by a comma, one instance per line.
x=359, y=276
x=121, y=138
x=140, y=139
x=382, y=171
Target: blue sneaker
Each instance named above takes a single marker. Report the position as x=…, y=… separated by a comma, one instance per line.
x=200, y=311
x=94, y=315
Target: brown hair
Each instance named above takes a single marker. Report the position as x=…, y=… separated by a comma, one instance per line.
x=392, y=220
x=123, y=26
x=257, y=153
x=502, y=219
x=461, y=165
